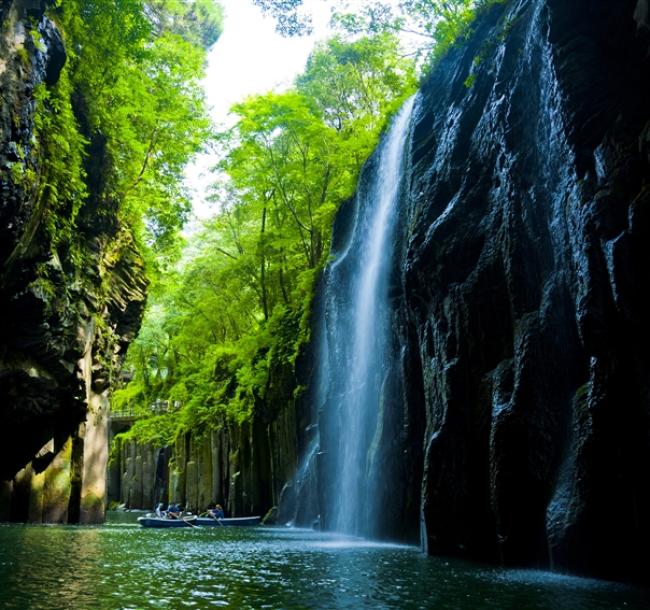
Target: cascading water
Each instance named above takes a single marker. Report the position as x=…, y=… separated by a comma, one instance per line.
x=356, y=338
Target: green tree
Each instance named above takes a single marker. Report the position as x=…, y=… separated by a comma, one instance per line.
x=112, y=137
x=197, y=21
x=235, y=317
x=437, y=23
x=134, y=87
x=289, y=19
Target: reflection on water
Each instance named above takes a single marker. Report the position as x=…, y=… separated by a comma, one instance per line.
x=122, y=566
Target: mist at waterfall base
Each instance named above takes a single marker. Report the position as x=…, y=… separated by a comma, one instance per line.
x=120, y=565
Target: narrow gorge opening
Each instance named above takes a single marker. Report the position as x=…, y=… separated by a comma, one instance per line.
x=363, y=279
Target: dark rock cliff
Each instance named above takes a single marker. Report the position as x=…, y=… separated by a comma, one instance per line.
x=514, y=425
x=70, y=306
x=524, y=257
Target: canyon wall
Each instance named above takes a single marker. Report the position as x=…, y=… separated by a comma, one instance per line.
x=513, y=424
x=243, y=466
x=524, y=255
x=70, y=303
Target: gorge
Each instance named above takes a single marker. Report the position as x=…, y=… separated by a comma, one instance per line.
x=516, y=303
x=475, y=379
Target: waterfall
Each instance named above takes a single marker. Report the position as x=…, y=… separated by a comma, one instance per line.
x=355, y=340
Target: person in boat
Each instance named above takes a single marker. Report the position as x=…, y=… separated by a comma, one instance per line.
x=217, y=512
x=174, y=511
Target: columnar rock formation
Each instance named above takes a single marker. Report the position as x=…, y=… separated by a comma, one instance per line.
x=523, y=265
x=67, y=317
x=242, y=466
x=515, y=410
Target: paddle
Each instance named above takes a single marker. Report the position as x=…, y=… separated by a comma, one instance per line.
x=215, y=518
x=179, y=516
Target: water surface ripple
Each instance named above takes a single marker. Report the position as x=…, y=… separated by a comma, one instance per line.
x=121, y=566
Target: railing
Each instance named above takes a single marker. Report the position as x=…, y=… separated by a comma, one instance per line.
x=158, y=407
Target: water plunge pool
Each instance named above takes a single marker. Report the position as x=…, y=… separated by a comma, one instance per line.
x=120, y=565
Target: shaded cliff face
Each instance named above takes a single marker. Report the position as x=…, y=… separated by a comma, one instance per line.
x=26, y=390
x=70, y=305
x=515, y=407
x=233, y=466
x=524, y=253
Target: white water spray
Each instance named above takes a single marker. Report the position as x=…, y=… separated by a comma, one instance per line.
x=357, y=315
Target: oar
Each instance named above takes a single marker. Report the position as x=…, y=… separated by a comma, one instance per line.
x=187, y=522
x=180, y=517
x=217, y=520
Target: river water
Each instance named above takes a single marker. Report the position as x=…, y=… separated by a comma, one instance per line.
x=121, y=566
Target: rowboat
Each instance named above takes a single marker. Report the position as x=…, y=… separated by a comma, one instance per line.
x=154, y=521
x=239, y=521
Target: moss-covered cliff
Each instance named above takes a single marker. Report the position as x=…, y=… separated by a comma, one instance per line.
x=71, y=299
x=93, y=99
x=244, y=465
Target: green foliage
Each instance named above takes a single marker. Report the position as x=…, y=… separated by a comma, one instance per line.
x=223, y=335
x=37, y=41
x=444, y=21
x=104, y=171
x=59, y=188
x=351, y=82
x=470, y=80
x=198, y=21
x=437, y=23
x=23, y=55
x=159, y=430
x=289, y=20
x=132, y=82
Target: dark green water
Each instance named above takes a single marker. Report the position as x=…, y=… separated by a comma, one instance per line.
x=122, y=566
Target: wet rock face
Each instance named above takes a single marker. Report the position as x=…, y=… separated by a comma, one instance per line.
x=30, y=355
x=523, y=260
x=66, y=319
x=23, y=67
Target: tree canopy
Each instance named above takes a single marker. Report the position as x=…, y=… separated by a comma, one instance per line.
x=129, y=93
x=102, y=175
x=224, y=329
x=224, y=335
x=436, y=24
